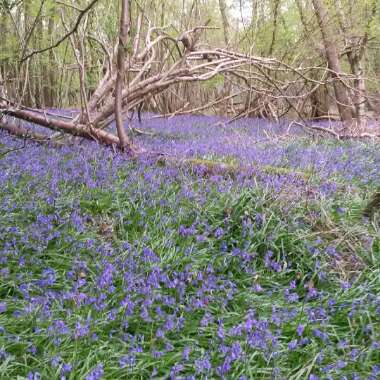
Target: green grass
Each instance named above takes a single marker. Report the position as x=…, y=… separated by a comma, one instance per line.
x=222, y=217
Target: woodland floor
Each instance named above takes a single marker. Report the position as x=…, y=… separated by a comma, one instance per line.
x=116, y=268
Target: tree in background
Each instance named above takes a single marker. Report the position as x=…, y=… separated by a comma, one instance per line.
x=285, y=59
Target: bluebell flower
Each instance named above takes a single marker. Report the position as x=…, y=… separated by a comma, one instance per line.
x=66, y=368
x=300, y=329
x=219, y=232
x=293, y=345
x=376, y=370
x=127, y=361
x=34, y=376
x=97, y=373
x=3, y=307
x=202, y=365
x=55, y=361
x=81, y=330
x=186, y=353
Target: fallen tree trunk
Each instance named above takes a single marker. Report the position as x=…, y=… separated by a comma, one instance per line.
x=19, y=131
x=65, y=126
x=148, y=75
x=26, y=133
x=209, y=168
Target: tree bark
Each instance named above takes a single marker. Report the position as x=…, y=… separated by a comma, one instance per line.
x=355, y=51
x=50, y=87
x=275, y=20
x=20, y=131
x=223, y=12
x=64, y=126
x=121, y=50
x=359, y=96
x=332, y=56
x=25, y=79
x=3, y=93
x=254, y=15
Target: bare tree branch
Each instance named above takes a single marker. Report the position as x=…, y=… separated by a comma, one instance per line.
x=65, y=36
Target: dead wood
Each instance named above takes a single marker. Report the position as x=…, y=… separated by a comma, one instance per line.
x=159, y=65
x=27, y=133
x=209, y=168
x=64, y=126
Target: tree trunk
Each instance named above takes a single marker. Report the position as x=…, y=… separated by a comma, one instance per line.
x=274, y=32
x=40, y=69
x=50, y=87
x=121, y=50
x=26, y=133
x=254, y=15
x=356, y=48
x=320, y=103
x=3, y=54
x=332, y=56
x=25, y=79
x=359, y=96
x=64, y=126
x=226, y=26
x=3, y=93
x=227, y=84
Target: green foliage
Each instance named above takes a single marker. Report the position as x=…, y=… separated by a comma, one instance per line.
x=216, y=81
x=293, y=43
x=258, y=244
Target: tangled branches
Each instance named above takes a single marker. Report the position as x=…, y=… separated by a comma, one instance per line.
x=263, y=86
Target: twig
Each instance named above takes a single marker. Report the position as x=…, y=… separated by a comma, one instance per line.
x=65, y=36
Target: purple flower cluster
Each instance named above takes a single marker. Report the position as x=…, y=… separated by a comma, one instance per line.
x=202, y=276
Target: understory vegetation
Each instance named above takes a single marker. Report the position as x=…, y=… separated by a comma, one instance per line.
x=117, y=268
x=189, y=189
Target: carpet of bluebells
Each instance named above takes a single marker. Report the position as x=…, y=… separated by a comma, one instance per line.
x=114, y=268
